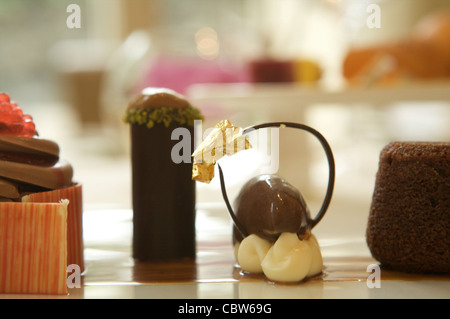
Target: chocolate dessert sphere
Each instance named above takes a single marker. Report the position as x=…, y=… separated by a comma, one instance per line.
x=268, y=206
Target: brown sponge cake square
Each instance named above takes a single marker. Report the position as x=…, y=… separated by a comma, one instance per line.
x=409, y=219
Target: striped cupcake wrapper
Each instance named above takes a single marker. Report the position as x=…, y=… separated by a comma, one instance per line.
x=33, y=248
x=74, y=219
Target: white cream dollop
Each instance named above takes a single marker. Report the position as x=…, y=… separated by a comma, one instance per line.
x=251, y=253
x=289, y=259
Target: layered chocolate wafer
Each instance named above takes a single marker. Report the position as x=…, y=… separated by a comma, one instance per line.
x=29, y=164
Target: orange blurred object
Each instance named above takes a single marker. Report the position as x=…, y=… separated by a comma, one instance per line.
x=434, y=31
x=424, y=55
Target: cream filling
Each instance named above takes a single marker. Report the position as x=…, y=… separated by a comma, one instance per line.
x=289, y=259
x=251, y=252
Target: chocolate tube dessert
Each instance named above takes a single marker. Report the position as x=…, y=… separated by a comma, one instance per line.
x=163, y=190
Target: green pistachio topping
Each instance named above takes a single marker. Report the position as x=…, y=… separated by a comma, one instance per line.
x=153, y=116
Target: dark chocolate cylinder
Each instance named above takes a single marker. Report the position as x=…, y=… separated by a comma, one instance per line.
x=163, y=196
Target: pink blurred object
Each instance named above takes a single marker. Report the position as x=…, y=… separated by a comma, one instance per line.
x=179, y=73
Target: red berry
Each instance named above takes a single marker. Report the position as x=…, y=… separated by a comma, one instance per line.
x=29, y=130
x=5, y=107
x=12, y=120
x=16, y=128
x=4, y=97
x=15, y=118
x=16, y=109
x=5, y=112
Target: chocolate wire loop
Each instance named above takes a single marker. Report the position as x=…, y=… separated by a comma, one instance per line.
x=331, y=179
x=236, y=222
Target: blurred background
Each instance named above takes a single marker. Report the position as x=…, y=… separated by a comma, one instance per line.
x=361, y=72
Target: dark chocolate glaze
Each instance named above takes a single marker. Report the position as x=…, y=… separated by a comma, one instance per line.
x=268, y=206
x=163, y=197
x=158, y=97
